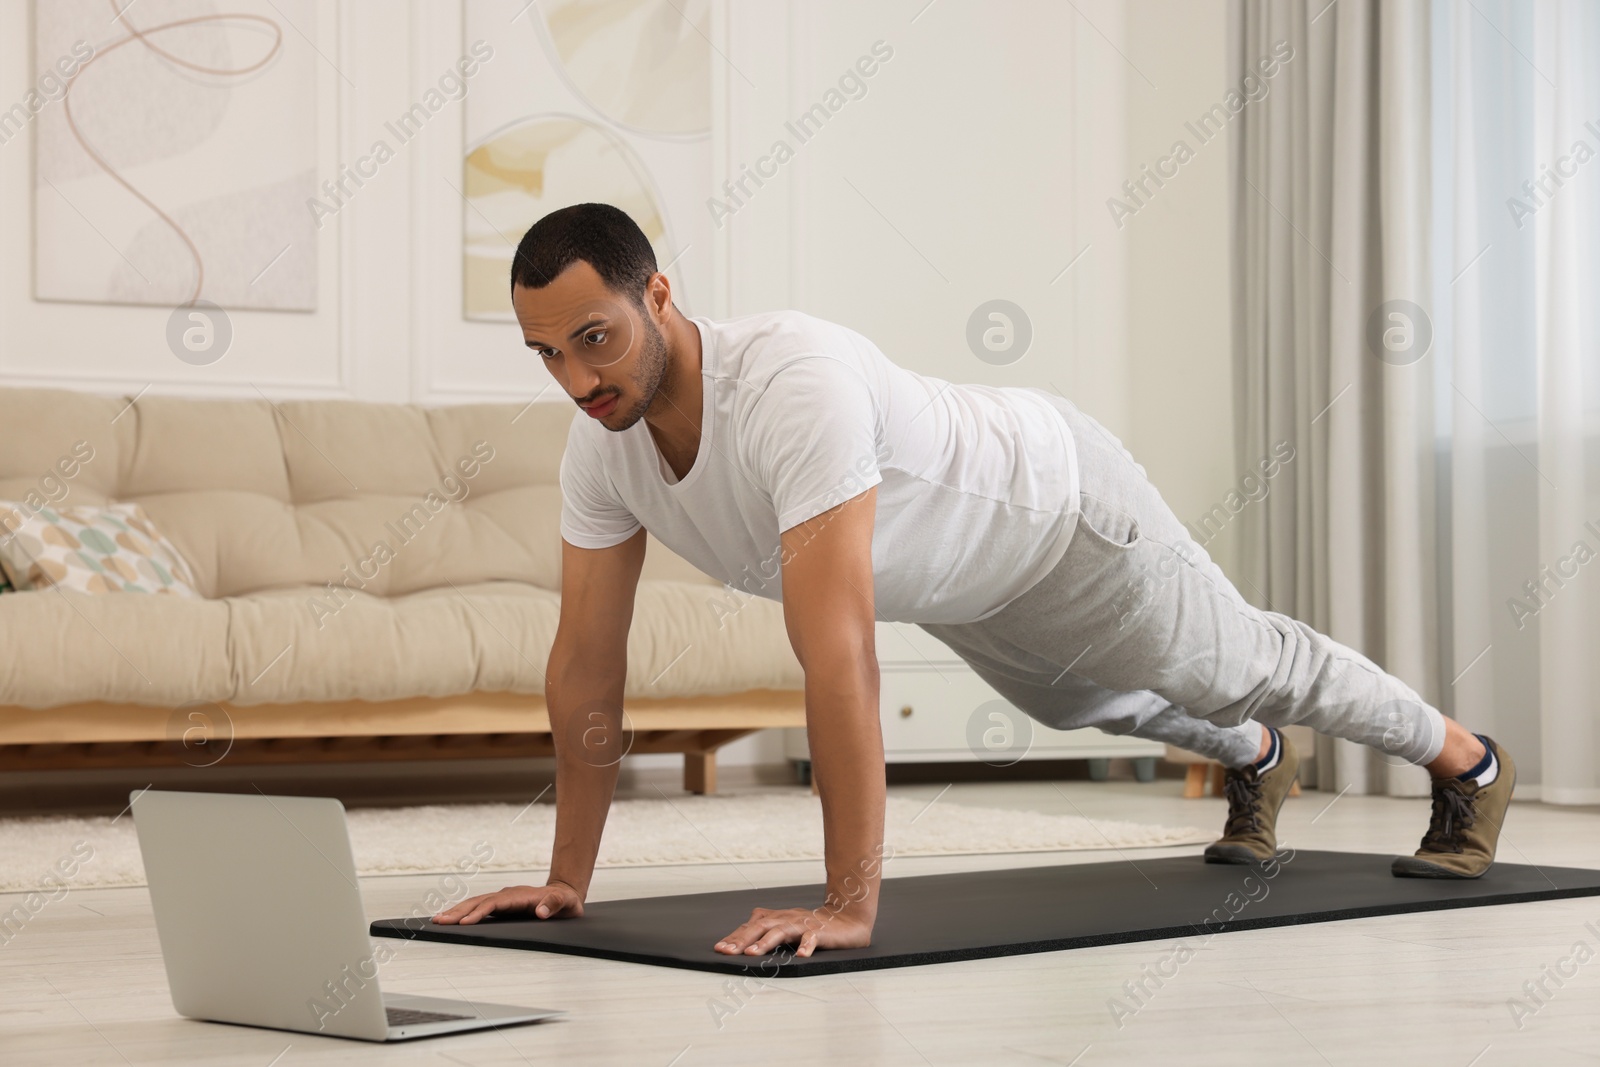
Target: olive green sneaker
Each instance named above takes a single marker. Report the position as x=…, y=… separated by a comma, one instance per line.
x=1250, y=835
x=1465, y=825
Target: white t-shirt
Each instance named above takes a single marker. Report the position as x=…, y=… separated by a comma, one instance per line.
x=978, y=484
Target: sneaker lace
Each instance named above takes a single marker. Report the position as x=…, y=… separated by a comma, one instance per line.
x=1452, y=816
x=1244, y=803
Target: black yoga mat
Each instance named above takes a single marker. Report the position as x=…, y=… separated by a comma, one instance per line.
x=978, y=914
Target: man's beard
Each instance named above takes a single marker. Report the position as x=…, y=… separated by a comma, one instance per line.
x=649, y=377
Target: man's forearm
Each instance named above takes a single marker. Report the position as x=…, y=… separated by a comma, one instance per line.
x=846, y=741
x=585, y=706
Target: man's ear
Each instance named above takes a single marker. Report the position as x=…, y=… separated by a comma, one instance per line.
x=658, y=298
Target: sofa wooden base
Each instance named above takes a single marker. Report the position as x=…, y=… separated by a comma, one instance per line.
x=473, y=726
x=1194, y=782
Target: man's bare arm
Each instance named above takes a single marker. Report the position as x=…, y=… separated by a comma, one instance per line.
x=583, y=689
x=828, y=609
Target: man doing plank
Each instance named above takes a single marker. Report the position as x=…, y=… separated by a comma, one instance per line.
x=1003, y=521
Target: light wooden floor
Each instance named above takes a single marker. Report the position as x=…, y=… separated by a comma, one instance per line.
x=83, y=982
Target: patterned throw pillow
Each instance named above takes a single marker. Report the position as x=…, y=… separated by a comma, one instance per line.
x=91, y=549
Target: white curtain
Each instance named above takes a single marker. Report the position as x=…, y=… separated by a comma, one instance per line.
x=1422, y=327
x=1518, y=87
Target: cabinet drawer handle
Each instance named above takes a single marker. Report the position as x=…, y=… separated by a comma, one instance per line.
x=905, y=712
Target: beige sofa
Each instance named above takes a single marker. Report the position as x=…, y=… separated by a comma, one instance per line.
x=313, y=643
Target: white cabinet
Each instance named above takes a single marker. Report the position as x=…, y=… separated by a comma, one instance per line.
x=935, y=709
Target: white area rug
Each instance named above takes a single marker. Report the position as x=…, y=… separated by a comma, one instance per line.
x=440, y=839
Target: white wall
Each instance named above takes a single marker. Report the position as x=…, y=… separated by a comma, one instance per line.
x=1179, y=333
x=959, y=177
x=975, y=167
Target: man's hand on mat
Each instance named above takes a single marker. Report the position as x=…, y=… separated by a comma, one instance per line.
x=814, y=928
x=556, y=900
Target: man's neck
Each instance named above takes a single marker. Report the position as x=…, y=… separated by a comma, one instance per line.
x=674, y=419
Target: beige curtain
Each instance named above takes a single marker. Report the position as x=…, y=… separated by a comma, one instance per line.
x=1330, y=184
x=1394, y=326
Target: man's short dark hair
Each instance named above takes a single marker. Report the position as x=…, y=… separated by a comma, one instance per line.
x=601, y=235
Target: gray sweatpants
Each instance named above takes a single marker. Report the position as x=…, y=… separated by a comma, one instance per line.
x=1136, y=631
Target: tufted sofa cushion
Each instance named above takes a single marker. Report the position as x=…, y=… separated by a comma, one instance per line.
x=346, y=550
x=259, y=495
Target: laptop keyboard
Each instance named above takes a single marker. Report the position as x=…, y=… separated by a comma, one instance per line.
x=410, y=1016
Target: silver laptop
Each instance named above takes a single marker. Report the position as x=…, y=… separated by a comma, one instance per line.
x=261, y=923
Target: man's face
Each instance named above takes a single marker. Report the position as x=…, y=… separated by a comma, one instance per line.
x=604, y=350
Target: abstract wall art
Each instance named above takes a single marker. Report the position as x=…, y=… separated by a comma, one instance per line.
x=588, y=100
x=177, y=163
